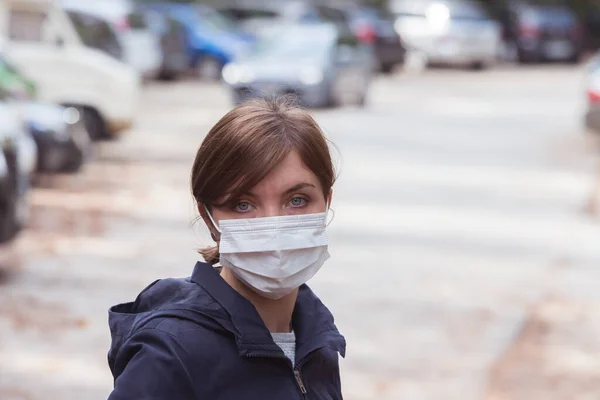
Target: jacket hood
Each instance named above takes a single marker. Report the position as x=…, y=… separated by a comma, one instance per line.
x=207, y=300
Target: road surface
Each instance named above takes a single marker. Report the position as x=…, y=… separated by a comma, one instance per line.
x=464, y=264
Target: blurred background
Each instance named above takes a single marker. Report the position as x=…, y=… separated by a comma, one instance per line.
x=466, y=240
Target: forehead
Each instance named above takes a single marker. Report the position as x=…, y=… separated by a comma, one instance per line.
x=289, y=172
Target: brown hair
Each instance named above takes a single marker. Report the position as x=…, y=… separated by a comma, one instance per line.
x=247, y=143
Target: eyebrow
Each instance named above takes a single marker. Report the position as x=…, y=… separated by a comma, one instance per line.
x=299, y=187
x=294, y=188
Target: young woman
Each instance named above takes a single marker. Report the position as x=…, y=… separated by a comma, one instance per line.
x=250, y=329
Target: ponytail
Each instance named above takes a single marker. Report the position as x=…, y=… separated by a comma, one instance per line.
x=210, y=254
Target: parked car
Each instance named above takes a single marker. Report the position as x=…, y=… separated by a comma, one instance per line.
x=535, y=33
x=60, y=54
x=458, y=32
x=315, y=63
x=253, y=16
x=591, y=23
x=19, y=159
x=141, y=46
x=371, y=26
x=212, y=40
x=592, y=115
x=63, y=143
x=173, y=41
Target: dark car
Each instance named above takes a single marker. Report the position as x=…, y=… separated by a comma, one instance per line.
x=173, y=41
x=592, y=27
x=18, y=163
x=536, y=33
x=372, y=26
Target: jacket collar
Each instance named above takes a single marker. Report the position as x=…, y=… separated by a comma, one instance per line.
x=312, y=322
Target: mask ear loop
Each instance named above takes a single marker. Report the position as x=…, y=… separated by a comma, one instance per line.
x=332, y=217
x=211, y=219
x=327, y=210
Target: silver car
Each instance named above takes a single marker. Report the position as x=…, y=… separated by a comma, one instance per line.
x=457, y=32
x=314, y=62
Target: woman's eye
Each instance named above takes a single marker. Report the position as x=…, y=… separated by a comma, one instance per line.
x=298, y=201
x=242, y=206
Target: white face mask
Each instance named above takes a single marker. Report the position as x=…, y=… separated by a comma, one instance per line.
x=274, y=255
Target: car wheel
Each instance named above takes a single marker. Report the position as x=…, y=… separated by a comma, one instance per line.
x=416, y=61
x=510, y=53
x=478, y=65
x=348, y=88
x=209, y=68
x=80, y=148
x=387, y=68
x=77, y=158
x=335, y=97
x=166, y=75
x=9, y=225
x=94, y=124
x=528, y=58
x=575, y=59
x=362, y=101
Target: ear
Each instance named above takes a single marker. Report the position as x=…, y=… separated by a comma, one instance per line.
x=330, y=197
x=214, y=233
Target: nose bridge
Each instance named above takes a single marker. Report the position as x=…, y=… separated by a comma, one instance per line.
x=268, y=200
x=271, y=209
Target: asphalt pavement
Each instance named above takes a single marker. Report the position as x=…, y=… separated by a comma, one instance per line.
x=465, y=263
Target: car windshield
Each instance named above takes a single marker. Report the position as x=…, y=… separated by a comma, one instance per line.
x=458, y=9
x=215, y=20
x=243, y=14
x=467, y=10
x=558, y=16
x=96, y=33
x=296, y=44
x=137, y=20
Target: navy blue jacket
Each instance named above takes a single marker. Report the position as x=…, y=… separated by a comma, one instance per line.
x=197, y=338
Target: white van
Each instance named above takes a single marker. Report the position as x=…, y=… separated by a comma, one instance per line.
x=66, y=60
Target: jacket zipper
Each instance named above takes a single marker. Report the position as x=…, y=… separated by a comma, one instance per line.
x=296, y=370
x=299, y=381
